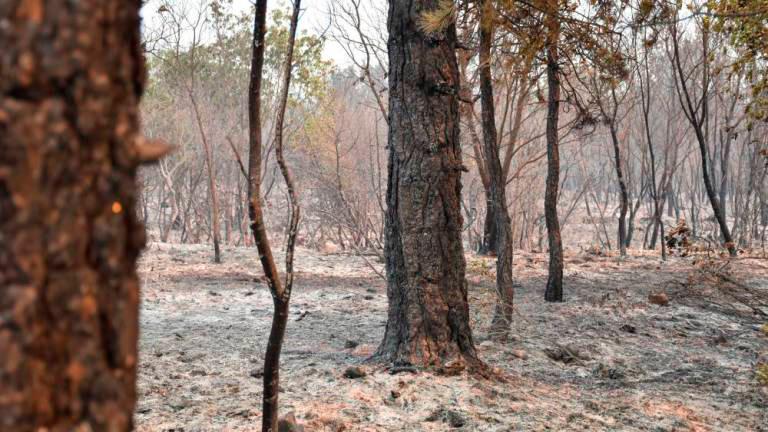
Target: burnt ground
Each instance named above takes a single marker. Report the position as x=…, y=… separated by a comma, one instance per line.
x=607, y=359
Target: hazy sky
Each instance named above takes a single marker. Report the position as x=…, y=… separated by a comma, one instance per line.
x=313, y=20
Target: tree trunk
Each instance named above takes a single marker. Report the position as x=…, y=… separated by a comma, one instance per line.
x=658, y=223
x=763, y=194
x=645, y=89
x=695, y=214
x=725, y=156
x=713, y=199
x=692, y=112
x=71, y=75
x=632, y=217
x=489, y=242
x=281, y=291
x=675, y=202
x=428, y=316
x=255, y=212
x=554, y=290
x=215, y=232
x=624, y=196
x=497, y=204
x=671, y=203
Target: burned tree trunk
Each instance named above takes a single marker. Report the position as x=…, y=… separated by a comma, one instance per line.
x=623, y=193
x=489, y=242
x=554, y=289
x=280, y=290
x=696, y=112
x=71, y=75
x=497, y=202
x=428, y=317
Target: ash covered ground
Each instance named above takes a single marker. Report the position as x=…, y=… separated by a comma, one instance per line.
x=606, y=359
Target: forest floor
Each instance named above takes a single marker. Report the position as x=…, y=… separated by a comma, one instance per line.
x=606, y=359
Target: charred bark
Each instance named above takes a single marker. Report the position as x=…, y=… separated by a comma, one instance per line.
x=71, y=76
x=489, y=242
x=623, y=193
x=497, y=204
x=696, y=113
x=554, y=289
x=428, y=314
x=280, y=290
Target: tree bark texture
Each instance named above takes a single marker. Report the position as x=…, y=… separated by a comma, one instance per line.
x=497, y=204
x=71, y=76
x=554, y=289
x=428, y=315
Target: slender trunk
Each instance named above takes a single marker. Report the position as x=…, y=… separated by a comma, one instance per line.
x=69, y=234
x=256, y=215
x=633, y=216
x=696, y=113
x=658, y=224
x=671, y=203
x=695, y=214
x=623, y=195
x=211, y=179
x=645, y=89
x=712, y=195
x=428, y=313
x=498, y=200
x=725, y=156
x=487, y=244
x=676, y=201
x=554, y=290
x=281, y=291
x=281, y=294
